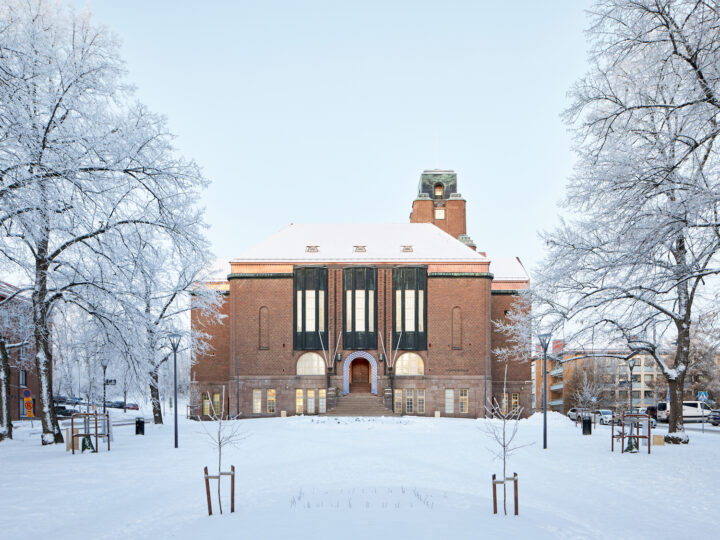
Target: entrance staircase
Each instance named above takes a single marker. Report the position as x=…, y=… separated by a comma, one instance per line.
x=359, y=404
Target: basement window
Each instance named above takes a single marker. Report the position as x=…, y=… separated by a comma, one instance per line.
x=311, y=249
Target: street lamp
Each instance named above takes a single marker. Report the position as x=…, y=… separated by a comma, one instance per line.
x=104, y=361
x=175, y=342
x=544, y=342
x=631, y=365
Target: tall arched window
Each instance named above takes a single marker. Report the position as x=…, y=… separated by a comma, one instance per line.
x=409, y=364
x=311, y=364
x=439, y=191
x=456, y=328
x=263, y=329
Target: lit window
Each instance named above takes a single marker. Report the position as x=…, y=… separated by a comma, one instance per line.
x=439, y=213
x=206, y=404
x=505, y=403
x=409, y=364
x=515, y=403
x=321, y=401
x=439, y=191
x=311, y=364
x=311, y=401
x=409, y=400
x=421, y=401
x=216, y=404
x=463, y=400
x=299, y=408
x=271, y=401
x=397, y=405
x=409, y=310
x=257, y=401
x=449, y=401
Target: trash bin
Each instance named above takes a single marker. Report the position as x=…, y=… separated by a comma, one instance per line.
x=139, y=426
x=587, y=425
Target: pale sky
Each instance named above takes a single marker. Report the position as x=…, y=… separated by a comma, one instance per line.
x=327, y=112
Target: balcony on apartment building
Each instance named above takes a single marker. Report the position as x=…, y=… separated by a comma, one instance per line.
x=557, y=387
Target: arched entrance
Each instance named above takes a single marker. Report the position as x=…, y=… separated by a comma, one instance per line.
x=360, y=370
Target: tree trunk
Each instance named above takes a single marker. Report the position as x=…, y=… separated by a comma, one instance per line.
x=43, y=365
x=676, y=429
x=155, y=395
x=5, y=422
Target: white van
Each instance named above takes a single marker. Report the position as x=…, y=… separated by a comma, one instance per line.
x=693, y=411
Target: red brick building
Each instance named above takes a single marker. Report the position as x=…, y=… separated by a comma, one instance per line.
x=16, y=333
x=398, y=313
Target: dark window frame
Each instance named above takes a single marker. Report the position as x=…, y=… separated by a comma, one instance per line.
x=357, y=278
x=310, y=278
x=404, y=278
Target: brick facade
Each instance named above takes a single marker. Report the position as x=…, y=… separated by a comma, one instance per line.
x=249, y=355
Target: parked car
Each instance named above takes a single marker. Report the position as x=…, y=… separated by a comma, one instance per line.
x=62, y=411
x=693, y=411
x=60, y=399
x=715, y=417
x=574, y=414
x=603, y=416
x=133, y=406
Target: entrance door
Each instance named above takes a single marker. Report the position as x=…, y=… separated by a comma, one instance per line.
x=360, y=375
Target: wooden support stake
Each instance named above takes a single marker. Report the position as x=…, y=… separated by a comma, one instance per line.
x=232, y=488
x=207, y=491
x=97, y=447
x=494, y=495
x=515, y=481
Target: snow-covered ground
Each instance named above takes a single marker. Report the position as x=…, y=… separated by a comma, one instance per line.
x=315, y=477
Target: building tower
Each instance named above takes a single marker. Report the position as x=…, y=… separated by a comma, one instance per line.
x=439, y=203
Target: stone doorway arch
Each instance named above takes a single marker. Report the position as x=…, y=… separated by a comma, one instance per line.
x=373, y=371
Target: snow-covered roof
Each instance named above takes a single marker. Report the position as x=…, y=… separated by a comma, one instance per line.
x=508, y=269
x=387, y=242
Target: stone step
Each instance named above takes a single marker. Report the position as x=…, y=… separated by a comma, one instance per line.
x=360, y=404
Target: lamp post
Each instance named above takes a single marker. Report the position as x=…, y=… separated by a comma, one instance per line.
x=631, y=365
x=104, y=361
x=544, y=342
x=175, y=342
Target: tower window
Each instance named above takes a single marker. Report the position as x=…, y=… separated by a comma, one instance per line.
x=359, y=249
x=439, y=190
x=407, y=249
x=311, y=249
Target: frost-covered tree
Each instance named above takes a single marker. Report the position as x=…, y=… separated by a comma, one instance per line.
x=635, y=258
x=83, y=168
x=502, y=428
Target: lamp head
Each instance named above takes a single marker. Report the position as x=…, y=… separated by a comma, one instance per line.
x=631, y=363
x=544, y=340
x=174, y=340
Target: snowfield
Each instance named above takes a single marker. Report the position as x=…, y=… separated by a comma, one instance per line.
x=314, y=477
